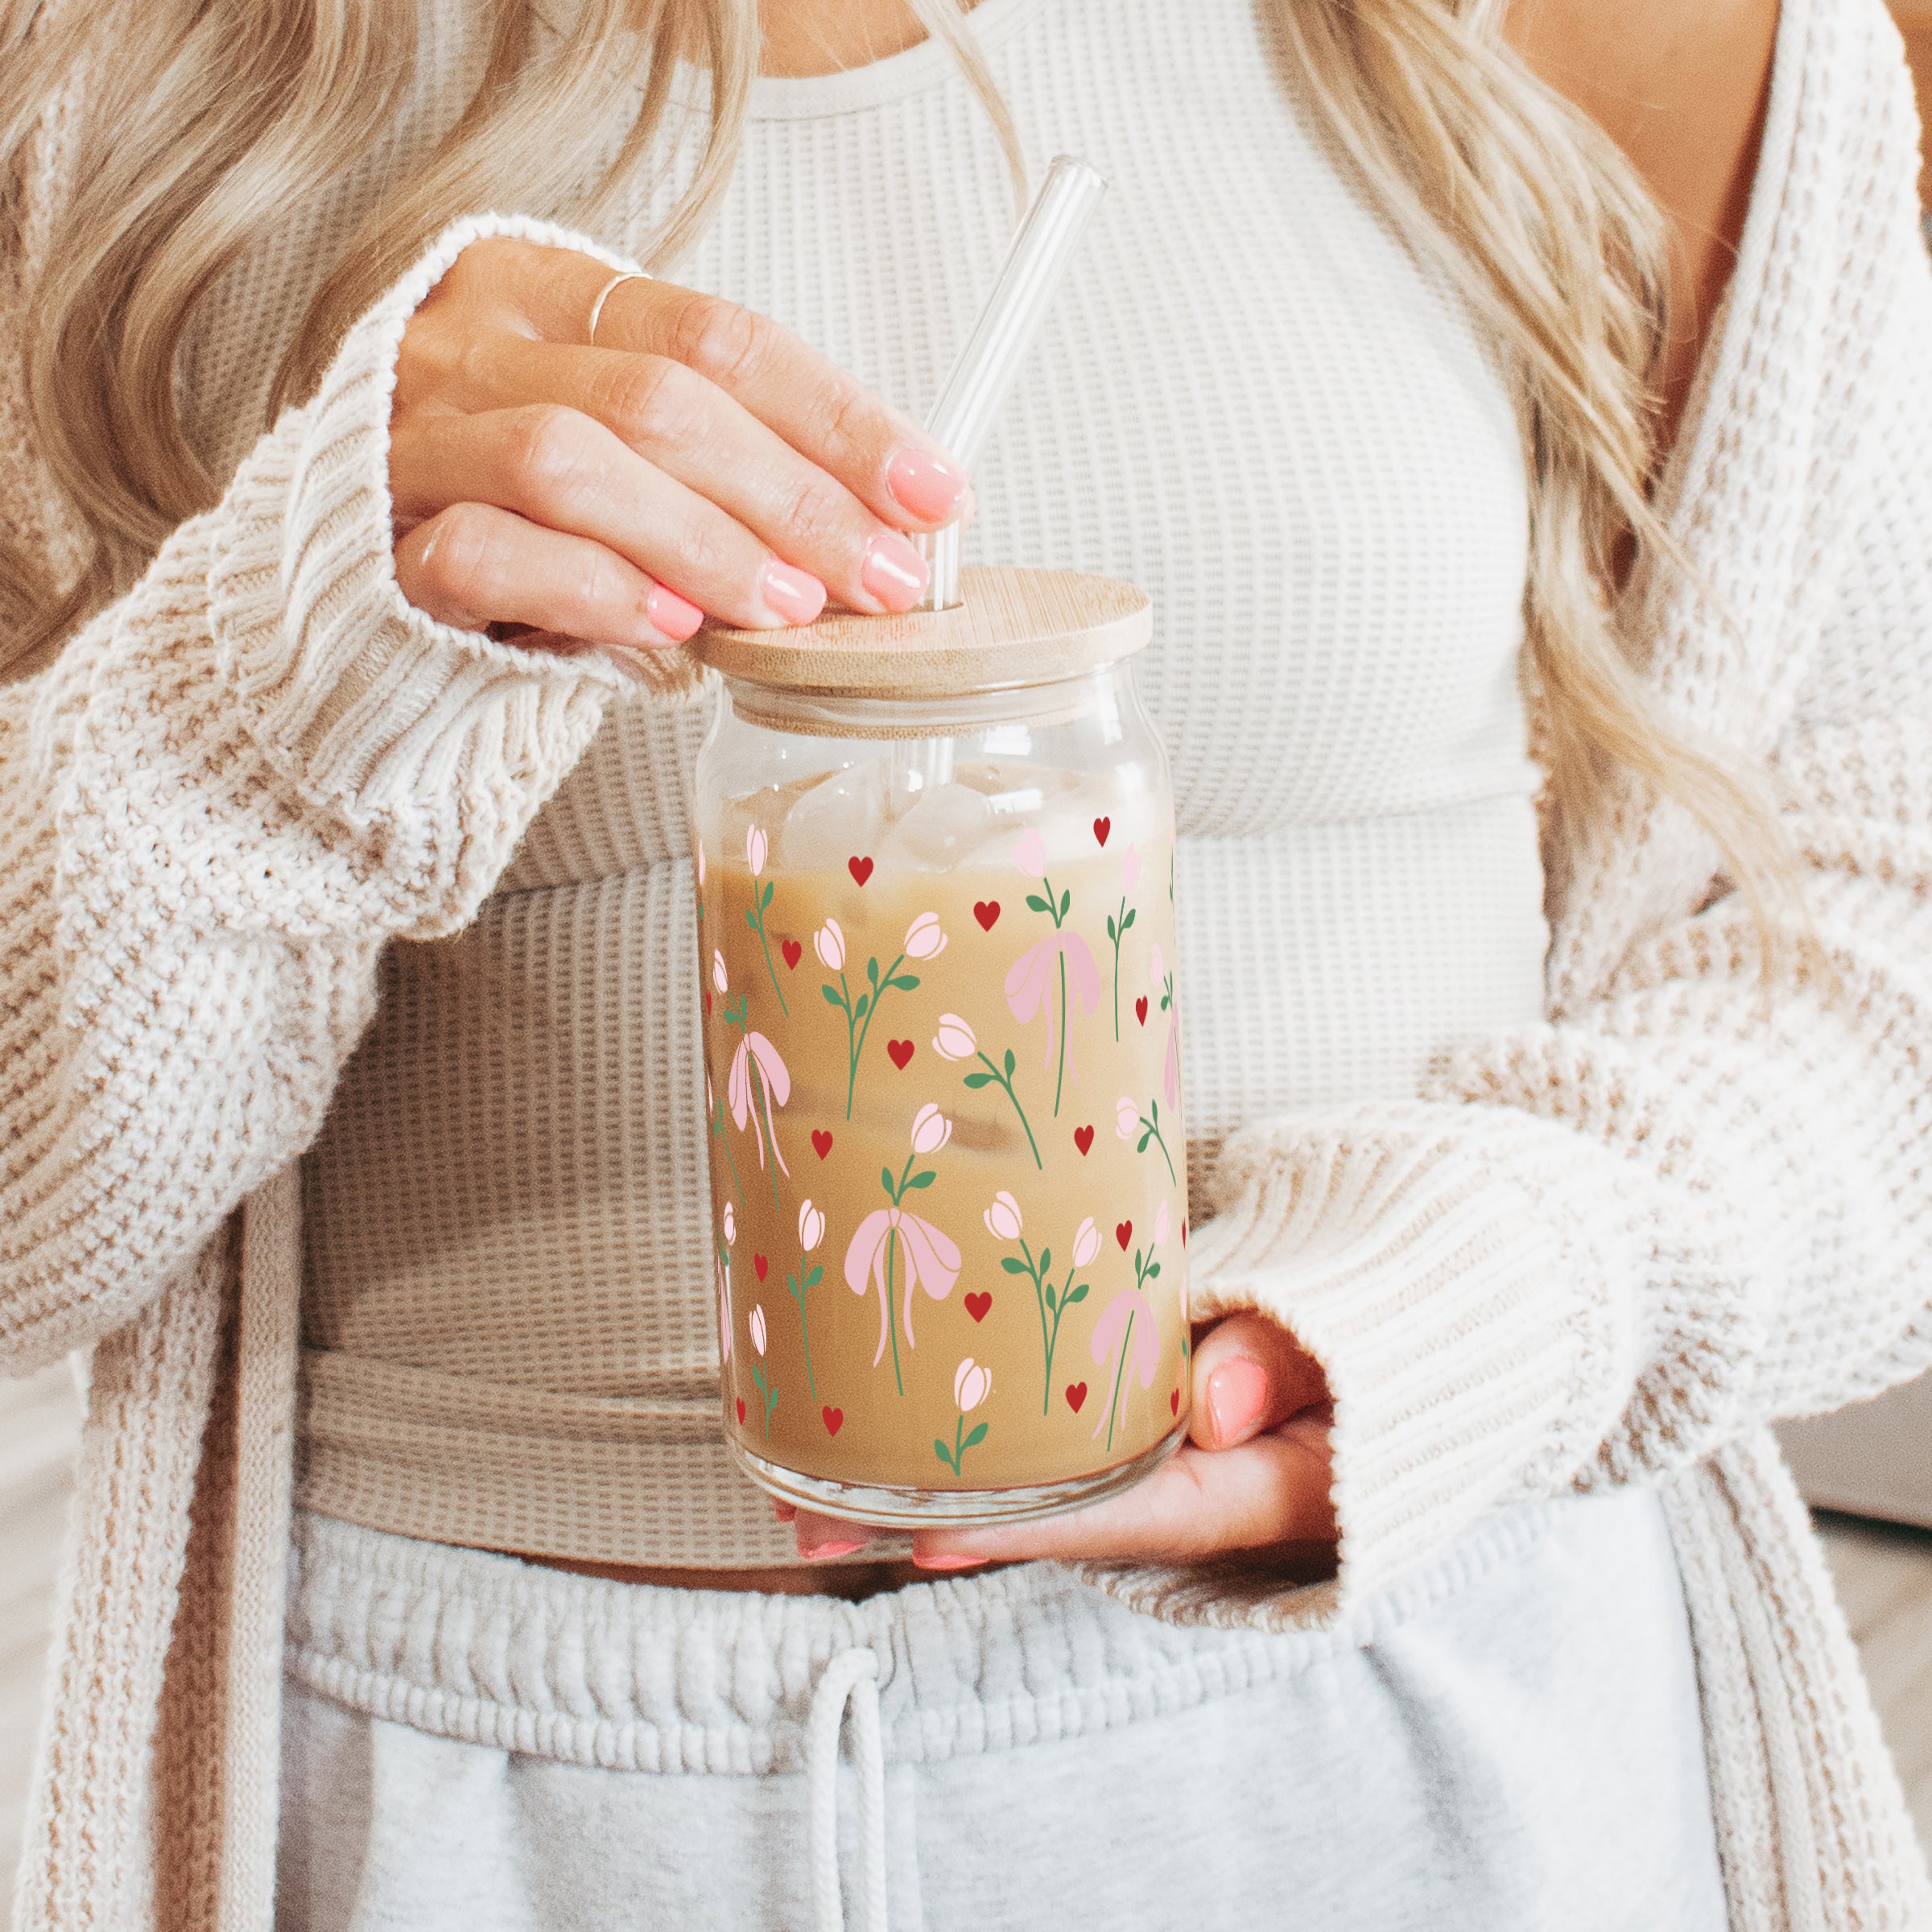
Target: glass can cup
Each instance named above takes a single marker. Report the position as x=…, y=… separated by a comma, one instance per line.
x=934, y=856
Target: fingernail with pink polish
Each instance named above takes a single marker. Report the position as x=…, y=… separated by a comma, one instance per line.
x=823, y=1552
x=670, y=616
x=794, y=595
x=940, y=1561
x=1236, y=1393
x=894, y=571
x=929, y=487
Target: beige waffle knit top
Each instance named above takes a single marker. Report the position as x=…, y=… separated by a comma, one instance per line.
x=1607, y=1246
x=1249, y=401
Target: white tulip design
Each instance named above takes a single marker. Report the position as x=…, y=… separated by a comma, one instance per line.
x=924, y=940
x=812, y=1226
x=828, y=942
x=758, y=1326
x=955, y=1040
x=931, y=1130
x=1086, y=1243
x=755, y=849
x=971, y=1383
x=1002, y=1218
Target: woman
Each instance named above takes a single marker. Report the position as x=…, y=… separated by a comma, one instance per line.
x=1366, y=375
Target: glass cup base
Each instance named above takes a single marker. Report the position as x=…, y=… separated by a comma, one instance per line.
x=883, y=1506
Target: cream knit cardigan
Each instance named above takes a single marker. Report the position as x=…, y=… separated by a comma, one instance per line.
x=1612, y=1249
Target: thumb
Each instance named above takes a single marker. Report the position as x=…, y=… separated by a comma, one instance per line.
x=1250, y=1374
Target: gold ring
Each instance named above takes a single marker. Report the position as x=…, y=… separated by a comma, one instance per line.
x=604, y=294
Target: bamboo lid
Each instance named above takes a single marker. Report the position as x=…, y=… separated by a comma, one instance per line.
x=1014, y=629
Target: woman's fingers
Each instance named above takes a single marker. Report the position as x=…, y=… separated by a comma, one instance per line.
x=474, y=564
x=823, y=1537
x=1250, y=1375
x=824, y=414
x=692, y=430
x=554, y=465
x=1274, y=1489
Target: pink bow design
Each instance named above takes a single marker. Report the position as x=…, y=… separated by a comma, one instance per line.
x=774, y=1079
x=1031, y=976
x=932, y=1262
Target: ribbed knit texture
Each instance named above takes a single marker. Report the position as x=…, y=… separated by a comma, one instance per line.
x=1613, y=1244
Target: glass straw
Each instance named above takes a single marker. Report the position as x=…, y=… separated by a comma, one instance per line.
x=986, y=368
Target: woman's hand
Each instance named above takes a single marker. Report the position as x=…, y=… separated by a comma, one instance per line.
x=700, y=460
x=1254, y=1473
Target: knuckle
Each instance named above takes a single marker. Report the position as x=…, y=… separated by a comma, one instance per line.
x=701, y=548
x=547, y=450
x=460, y=564
x=652, y=404
x=849, y=413
x=720, y=340
x=816, y=519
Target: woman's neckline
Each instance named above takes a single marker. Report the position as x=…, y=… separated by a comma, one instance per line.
x=926, y=64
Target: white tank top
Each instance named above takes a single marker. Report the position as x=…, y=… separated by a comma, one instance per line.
x=1250, y=400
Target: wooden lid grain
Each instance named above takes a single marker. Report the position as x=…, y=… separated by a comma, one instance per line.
x=1015, y=628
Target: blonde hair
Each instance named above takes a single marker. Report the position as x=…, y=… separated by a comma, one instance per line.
x=213, y=117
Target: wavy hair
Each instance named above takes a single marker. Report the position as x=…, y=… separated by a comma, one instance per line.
x=214, y=116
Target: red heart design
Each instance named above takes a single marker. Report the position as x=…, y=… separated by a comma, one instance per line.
x=741, y=1411
x=986, y=911
x=1101, y=828
x=1139, y=1009
x=759, y=1262
x=860, y=868
x=1123, y=1232
x=1183, y=1234
x=901, y=1051
x=833, y=1419
x=821, y=1143
x=1082, y=1138
x=791, y=949
x=1174, y=1402
x=1076, y=1393
x=976, y=1305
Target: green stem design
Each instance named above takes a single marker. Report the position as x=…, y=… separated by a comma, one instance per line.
x=717, y=1127
x=858, y=1021
x=755, y=920
x=767, y=1393
x=1004, y=1080
x=799, y=1290
x=1047, y=1302
x=1116, y=930
x=961, y=1442
x=1120, y=1370
x=1150, y=1130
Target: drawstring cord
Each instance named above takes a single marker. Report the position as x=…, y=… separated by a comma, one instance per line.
x=853, y=1675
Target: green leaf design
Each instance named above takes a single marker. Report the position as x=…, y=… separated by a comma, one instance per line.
x=1111, y=933
x=816, y=1276
x=1012, y=1266
x=1046, y=1260
x=1051, y=1304
x=1128, y=920
x=1010, y=1062
x=1066, y=900
x=751, y=918
x=1036, y=903
x=944, y=1454
x=885, y=1175
x=872, y=971
x=906, y=982
x=1154, y=1270
x=975, y=1435
x=922, y=1180
x=864, y=1006
x=1078, y=1294
x=833, y=997
x=976, y=1080
x=770, y=885
x=1144, y=1138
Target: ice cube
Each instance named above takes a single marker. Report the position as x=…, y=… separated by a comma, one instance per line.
x=941, y=827
x=842, y=817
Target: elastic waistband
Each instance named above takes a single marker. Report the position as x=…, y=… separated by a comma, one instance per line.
x=490, y=1650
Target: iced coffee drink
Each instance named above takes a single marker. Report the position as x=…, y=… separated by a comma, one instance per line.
x=943, y=1104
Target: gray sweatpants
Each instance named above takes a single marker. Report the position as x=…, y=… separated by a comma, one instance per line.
x=1506, y=1743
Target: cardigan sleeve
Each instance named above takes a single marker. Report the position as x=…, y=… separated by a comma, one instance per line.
x=1699, y=1197
x=215, y=805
